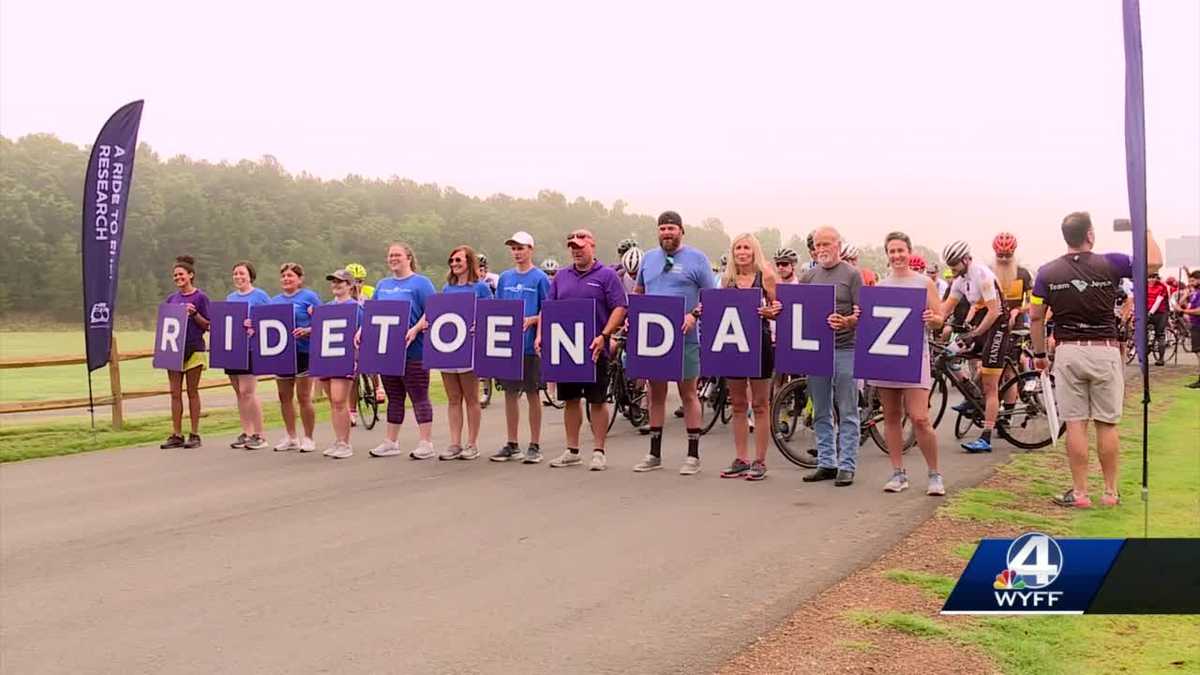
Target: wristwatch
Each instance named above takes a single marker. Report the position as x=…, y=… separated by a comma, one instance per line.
x=695, y=313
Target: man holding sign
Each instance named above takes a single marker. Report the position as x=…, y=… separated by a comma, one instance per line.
x=587, y=279
x=837, y=453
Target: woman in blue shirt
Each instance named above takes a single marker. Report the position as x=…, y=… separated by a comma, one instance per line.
x=297, y=386
x=406, y=284
x=462, y=386
x=338, y=388
x=244, y=383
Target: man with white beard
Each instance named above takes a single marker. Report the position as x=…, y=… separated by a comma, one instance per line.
x=1015, y=281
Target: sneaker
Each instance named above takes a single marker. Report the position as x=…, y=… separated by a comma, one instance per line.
x=255, y=442
x=650, y=463
x=386, y=449
x=568, y=458
x=469, y=452
x=977, y=446
x=822, y=473
x=173, y=441
x=963, y=407
x=509, y=451
x=239, y=442
x=898, y=482
x=307, y=445
x=193, y=441
x=936, y=487
x=758, y=471
x=691, y=466
x=1070, y=500
x=451, y=452
x=424, y=450
x=679, y=412
x=1194, y=385
x=286, y=444
x=644, y=429
x=737, y=469
x=844, y=478
x=599, y=461
x=341, y=451
x=533, y=454
x=328, y=451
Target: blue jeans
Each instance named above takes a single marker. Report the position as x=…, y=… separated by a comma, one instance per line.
x=840, y=390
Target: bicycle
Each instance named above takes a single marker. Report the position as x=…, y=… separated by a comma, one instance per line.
x=627, y=398
x=547, y=399
x=367, y=404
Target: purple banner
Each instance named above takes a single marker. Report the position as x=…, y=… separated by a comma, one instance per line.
x=273, y=347
x=568, y=329
x=450, y=338
x=105, y=203
x=229, y=344
x=731, y=333
x=1135, y=165
x=499, y=347
x=804, y=342
x=655, y=347
x=331, y=345
x=890, y=337
x=382, y=349
x=170, y=334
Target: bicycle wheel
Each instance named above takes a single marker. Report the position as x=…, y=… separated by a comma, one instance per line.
x=963, y=424
x=1026, y=425
x=551, y=401
x=368, y=405
x=712, y=393
x=635, y=409
x=873, y=421
x=791, y=435
x=937, y=400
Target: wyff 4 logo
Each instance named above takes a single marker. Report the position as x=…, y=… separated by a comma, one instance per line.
x=1034, y=561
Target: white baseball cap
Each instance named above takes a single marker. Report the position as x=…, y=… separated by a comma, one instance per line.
x=523, y=238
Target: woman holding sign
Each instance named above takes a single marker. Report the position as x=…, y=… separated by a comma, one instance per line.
x=244, y=382
x=184, y=275
x=462, y=386
x=297, y=386
x=750, y=270
x=900, y=398
x=406, y=284
x=338, y=389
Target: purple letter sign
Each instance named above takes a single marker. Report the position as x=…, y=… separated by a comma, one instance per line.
x=274, y=345
x=331, y=345
x=170, y=336
x=229, y=345
x=731, y=333
x=890, y=338
x=382, y=349
x=655, y=346
x=450, y=338
x=499, y=347
x=568, y=329
x=803, y=339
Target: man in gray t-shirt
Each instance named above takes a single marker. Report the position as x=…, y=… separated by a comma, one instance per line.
x=837, y=454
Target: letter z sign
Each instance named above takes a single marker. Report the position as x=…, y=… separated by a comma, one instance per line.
x=890, y=339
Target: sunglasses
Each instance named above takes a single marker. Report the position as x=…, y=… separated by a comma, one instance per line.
x=455, y=260
x=1003, y=257
x=669, y=264
x=783, y=263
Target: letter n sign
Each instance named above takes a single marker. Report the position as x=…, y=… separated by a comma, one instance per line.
x=890, y=338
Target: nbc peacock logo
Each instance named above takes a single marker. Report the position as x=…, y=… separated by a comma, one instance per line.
x=1008, y=580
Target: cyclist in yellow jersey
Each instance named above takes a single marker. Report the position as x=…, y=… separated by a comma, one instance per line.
x=360, y=291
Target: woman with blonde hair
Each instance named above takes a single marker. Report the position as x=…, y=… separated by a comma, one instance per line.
x=749, y=268
x=462, y=386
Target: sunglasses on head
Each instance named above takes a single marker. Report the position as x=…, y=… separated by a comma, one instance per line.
x=576, y=235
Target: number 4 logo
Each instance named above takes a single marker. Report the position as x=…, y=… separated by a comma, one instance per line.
x=883, y=345
x=1038, y=560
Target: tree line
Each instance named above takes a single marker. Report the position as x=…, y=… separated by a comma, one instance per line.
x=256, y=210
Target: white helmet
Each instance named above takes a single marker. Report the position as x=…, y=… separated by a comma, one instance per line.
x=955, y=251
x=849, y=251
x=549, y=265
x=632, y=260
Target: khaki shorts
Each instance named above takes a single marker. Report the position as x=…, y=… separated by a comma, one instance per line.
x=1089, y=383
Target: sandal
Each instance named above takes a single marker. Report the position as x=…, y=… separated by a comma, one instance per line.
x=1110, y=499
x=1069, y=499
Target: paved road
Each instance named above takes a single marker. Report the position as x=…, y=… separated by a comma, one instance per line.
x=216, y=560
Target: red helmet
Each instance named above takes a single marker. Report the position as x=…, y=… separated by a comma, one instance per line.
x=1172, y=281
x=916, y=263
x=1005, y=242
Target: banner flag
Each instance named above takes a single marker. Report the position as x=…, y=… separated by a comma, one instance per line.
x=170, y=334
x=1135, y=164
x=229, y=344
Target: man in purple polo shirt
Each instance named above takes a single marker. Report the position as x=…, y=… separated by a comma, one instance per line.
x=588, y=279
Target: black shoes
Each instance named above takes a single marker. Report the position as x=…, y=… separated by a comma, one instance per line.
x=822, y=473
x=173, y=441
x=844, y=478
x=193, y=441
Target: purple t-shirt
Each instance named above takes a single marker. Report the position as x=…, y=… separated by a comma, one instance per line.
x=1194, y=303
x=194, y=342
x=599, y=283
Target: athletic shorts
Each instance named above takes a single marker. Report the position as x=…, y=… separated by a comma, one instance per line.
x=1089, y=382
x=531, y=377
x=1196, y=339
x=238, y=371
x=691, y=360
x=992, y=346
x=195, y=360
x=301, y=367
x=593, y=392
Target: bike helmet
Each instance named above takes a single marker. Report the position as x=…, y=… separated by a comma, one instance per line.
x=549, y=265
x=482, y=258
x=932, y=267
x=849, y=251
x=724, y=261
x=624, y=245
x=955, y=251
x=916, y=263
x=357, y=271
x=632, y=260
x=1172, y=281
x=787, y=255
x=810, y=240
x=1004, y=243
